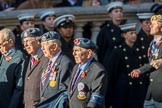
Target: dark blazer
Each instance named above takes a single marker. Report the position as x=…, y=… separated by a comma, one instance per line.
x=32, y=82
x=124, y=88
x=143, y=41
x=155, y=86
x=64, y=68
x=108, y=38
x=11, y=82
x=94, y=82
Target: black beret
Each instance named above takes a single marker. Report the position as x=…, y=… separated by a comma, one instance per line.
x=52, y=35
x=85, y=43
x=31, y=32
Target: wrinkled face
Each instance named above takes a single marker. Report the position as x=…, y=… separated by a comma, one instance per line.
x=130, y=36
x=27, y=24
x=146, y=25
x=66, y=32
x=31, y=45
x=49, y=49
x=156, y=28
x=48, y=22
x=4, y=45
x=81, y=54
x=116, y=14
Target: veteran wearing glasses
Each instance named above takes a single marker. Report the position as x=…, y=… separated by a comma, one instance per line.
x=87, y=86
x=12, y=65
x=55, y=77
x=154, y=92
x=37, y=62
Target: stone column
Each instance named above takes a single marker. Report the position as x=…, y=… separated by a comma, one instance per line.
x=95, y=30
x=78, y=32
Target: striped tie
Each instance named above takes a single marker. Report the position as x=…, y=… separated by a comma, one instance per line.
x=75, y=79
x=45, y=73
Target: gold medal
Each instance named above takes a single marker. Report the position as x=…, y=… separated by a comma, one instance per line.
x=52, y=83
x=81, y=97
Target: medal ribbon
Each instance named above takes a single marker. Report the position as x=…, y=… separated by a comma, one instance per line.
x=45, y=73
x=80, y=69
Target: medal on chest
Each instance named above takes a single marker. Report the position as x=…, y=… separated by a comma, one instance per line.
x=52, y=77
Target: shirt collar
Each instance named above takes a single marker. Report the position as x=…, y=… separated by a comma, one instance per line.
x=38, y=51
x=55, y=57
x=85, y=64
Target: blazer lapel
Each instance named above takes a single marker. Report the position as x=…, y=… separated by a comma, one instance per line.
x=80, y=78
x=30, y=69
x=72, y=76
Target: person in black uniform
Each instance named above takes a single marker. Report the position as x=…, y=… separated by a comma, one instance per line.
x=65, y=27
x=47, y=18
x=109, y=38
x=128, y=92
x=143, y=37
x=154, y=92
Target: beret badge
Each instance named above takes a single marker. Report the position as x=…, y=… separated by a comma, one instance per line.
x=76, y=41
x=67, y=19
x=25, y=34
x=43, y=38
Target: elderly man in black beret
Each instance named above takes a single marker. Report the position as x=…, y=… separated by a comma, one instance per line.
x=56, y=75
x=87, y=87
x=30, y=39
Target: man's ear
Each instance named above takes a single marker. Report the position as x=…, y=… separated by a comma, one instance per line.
x=11, y=41
x=90, y=52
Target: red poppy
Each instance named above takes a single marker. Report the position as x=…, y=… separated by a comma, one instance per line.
x=76, y=41
x=36, y=62
x=83, y=74
x=8, y=58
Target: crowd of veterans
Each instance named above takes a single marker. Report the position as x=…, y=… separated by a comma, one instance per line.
x=49, y=67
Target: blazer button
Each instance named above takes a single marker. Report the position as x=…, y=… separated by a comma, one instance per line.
x=130, y=83
x=151, y=80
x=140, y=82
x=28, y=78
